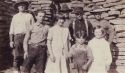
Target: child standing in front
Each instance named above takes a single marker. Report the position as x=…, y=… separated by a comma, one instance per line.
x=101, y=52
x=81, y=54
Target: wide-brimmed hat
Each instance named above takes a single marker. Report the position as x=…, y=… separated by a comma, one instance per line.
x=98, y=9
x=65, y=8
x=18, y=2
x=78, y=10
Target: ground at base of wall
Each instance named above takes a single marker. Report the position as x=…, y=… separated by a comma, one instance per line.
x=11, y=71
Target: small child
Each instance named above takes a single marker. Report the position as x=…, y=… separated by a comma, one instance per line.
x=101, y=52
x=81, y=54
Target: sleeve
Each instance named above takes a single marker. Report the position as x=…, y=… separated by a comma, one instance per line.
x=32, y=21
x=49, y=42
x=12, y=26
x=49, y=37
x=71, y=30
x=71, y=52
x=69, y=35
x=90, y=30
x=89, y=54
x=47, y=29
x=108, y=54
x=69, y=41
x=111, y=33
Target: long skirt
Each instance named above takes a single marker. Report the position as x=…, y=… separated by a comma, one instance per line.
x=59, y=66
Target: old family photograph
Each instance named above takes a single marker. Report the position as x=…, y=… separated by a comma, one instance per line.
x=62, y=36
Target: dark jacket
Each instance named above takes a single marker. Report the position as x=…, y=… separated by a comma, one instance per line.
x=81, y=25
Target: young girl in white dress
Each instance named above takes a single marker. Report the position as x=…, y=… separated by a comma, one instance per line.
x=101, y=52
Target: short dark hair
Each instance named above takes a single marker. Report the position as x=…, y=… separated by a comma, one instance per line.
x=81, y=34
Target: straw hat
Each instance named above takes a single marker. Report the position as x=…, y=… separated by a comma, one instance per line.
x=98, y=9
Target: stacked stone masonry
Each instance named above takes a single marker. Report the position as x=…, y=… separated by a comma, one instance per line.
x=47, y=6
x=114, y=12
x=6, y=13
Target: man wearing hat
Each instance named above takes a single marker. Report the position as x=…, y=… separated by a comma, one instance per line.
x=80, y=24
x=99, y=21
x=19, y=25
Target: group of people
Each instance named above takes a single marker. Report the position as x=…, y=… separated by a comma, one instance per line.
x=68, y=46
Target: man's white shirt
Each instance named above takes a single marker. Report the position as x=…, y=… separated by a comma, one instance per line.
x=21, y=23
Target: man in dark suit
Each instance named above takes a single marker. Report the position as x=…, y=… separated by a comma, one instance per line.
x=80, y=24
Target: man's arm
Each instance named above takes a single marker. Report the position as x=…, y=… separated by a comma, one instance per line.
x=25, y=42
x=11, y=36
x=49, y=45
x=32, y=21
x=11, y=33
x=111, y=33
x=90, y=30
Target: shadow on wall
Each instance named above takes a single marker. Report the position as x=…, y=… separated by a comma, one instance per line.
x=6, y=57
x=115, y=53
x=6, y=12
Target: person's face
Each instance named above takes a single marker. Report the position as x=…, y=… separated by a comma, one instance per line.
x=40, y=17
x=98, y=33
x=66, y=15
x=61, y=21
x=22, y=7
x=80, y=40
x=98, y=16
x=79, y=16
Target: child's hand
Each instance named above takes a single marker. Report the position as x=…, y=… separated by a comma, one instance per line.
x=84, y=67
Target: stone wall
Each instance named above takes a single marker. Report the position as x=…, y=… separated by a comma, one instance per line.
x=47, y=6
x=6, y=12
x=114, y=12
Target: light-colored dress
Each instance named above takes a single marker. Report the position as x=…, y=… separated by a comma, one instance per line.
x=59, y=37
x=102, y=55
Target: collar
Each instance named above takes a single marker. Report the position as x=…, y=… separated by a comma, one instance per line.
x=99, y=38
x=21, y=13
x=80, y=19
x=59, y=26
x=39, y=24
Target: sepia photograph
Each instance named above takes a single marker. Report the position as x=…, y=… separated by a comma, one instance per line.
x=62, y=36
